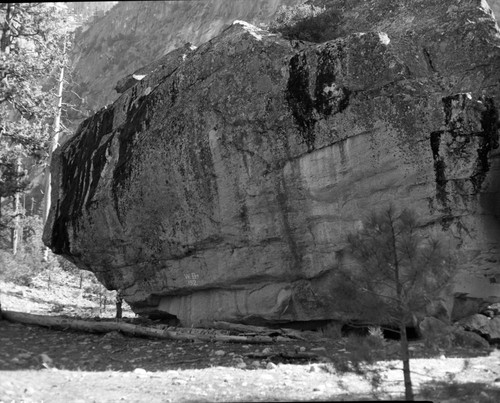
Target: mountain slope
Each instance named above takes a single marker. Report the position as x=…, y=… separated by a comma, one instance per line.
x=133, y=34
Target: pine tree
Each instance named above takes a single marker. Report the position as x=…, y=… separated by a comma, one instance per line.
x=396, y=269
x=32, y=37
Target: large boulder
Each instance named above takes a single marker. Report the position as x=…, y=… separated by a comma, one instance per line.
x=437, y=333
x=489, y=328
x=223, y=188
x=468, y=339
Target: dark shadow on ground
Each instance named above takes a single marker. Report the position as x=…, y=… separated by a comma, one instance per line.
x=32, y=347
x=464, y=392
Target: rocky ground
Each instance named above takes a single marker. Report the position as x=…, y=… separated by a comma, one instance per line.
x=41, y=365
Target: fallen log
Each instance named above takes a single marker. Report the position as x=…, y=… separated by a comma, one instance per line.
x=250, y=329
x=133, y=330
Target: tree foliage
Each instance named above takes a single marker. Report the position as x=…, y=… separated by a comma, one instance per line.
x=395, y=267
x=32, y=39
x=396, y=270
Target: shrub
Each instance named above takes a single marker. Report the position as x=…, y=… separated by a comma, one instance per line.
x=306, y=22
x=361, y=351
x=28, y=261
x=451, y=390
x=287, y=16
x=376, y=331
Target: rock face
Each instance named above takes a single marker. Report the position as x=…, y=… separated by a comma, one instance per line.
x=222, y=185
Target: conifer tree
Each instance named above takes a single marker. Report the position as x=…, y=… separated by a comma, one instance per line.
x=396, y=269
x=32, y=37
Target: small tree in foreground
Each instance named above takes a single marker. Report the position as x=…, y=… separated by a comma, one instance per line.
x=396, y=271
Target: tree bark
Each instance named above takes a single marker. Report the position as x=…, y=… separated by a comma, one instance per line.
x=405, y=357
x=16, y=205
x=53, y=146
x=405, y=353
x=133, y=330
x=6, y=40
x=119, y=301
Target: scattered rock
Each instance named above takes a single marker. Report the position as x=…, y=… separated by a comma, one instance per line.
x=220, y=353
x=46, y=361
x=29, y=390
x=241, y=365
x=113, y=336
x=492, y=310
x=271, y=365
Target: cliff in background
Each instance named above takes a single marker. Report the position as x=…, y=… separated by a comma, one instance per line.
x=495, y=7
x=136, y=33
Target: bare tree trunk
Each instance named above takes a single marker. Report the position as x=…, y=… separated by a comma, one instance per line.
x=119, y=301
x=16, y=205
x=5, y=43
x=53, y=146
x=6, y=39
x=405, y=357
x=405, y=354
